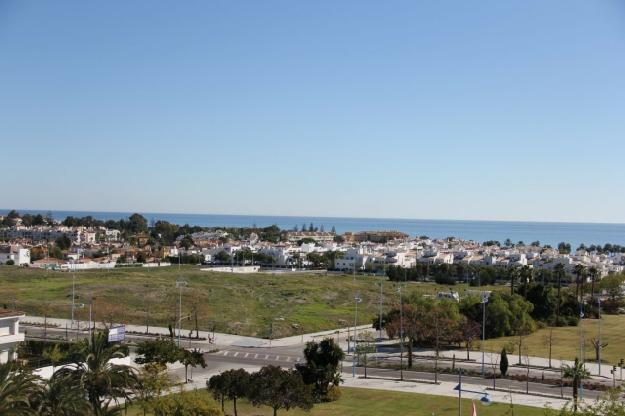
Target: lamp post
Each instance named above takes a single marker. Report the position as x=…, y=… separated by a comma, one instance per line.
x=180, y=284
x=599, y=322
x=357, y=300
x=380, y=313
x=484, y=301
x=401, y=334
x=73, y=297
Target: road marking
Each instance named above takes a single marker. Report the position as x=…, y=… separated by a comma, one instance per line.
x=266, y=356
x=236, y=354
x=297, y=360
x=255, y=355
x=288, y=359
x=277, y=358
x=226, y=353
x=246, y=354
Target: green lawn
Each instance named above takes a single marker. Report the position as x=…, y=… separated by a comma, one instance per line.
x=367, y=402
x=242, y=304
x=566, y=342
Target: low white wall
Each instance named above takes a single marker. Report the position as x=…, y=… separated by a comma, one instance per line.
x=235, y=269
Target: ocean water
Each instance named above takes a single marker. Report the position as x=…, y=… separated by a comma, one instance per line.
x=546, y=232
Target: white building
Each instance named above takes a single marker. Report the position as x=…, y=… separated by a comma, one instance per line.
x=17, y=254
x=9, y=334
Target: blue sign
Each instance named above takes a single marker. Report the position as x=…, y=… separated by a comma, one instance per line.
x=117, y=333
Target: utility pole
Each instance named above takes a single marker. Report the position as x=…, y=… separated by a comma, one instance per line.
x=401, y=334
x=484, y=301
x=357, y=300
x=380, y=323
x=180, y=284
x=73, y=296
x=600, y=347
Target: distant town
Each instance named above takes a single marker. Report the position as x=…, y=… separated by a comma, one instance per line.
x=87, y=243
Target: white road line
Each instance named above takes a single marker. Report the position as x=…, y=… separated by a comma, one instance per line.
x=236, y=353
x=246, y=354
x=277, y=358
x=226, y=353
x=288, y=359
x=266, y=356
x=255, y=355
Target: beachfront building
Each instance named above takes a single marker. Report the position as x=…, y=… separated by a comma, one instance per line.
x=10, y=335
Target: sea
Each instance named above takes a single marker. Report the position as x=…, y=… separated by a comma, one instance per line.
x=550, y=233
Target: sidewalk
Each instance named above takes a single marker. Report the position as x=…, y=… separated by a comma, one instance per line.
x=221, y=339
x=447, y=389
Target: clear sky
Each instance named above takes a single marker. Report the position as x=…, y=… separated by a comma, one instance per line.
x=460, y=109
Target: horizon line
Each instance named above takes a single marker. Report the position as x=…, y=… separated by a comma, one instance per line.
x=313, y=216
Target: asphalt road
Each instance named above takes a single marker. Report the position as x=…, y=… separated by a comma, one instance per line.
x=229, y=356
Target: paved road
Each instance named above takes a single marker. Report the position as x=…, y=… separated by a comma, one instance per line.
x=288, y=356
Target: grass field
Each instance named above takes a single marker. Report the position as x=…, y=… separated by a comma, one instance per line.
x=566, y=342
x=367, y=402
x=244, y=304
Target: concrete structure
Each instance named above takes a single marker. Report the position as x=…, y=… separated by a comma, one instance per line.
x=9, y=334
x=19, y=255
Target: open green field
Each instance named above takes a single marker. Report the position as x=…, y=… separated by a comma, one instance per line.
x=566, y=340
x=244, y=304
x=366, y=402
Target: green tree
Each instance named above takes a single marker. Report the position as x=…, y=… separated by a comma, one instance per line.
x=152, y=381
x=279, y=389
x=160, y=351
x=580, y=273
x=63, y=242
x=222, y=257
x=191, y=359
x=62, y=395
x=18, y=391
x=322, y=367
x=577, y=373
x=503, y=363
x=365, y=347
x=190, y=403
x=593, y=272
x=559, y=274
x=101, y=380
x=218, y=386
x=237, y=385
x=54, y=355
x=137, y=223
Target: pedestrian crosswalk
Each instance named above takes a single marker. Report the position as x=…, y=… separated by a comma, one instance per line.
x=241, y=355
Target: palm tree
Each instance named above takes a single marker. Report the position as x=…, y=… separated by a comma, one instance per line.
x=526, y=273
x=18, y=391
x=594, y=273
x=101, y=380
x=559, y=274
x=514, y=272
x=577, y=372
x=579, y=272
x=62, y=396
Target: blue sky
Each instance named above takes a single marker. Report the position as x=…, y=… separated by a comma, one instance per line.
x=511, y=110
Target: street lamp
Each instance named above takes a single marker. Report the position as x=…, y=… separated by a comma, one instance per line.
x=401, y=334
x=357, y=300
x=484, y=301
x=180, y=284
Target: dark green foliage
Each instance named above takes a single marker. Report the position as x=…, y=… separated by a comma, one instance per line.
x=231, y=385
x=159, y=351
x=321, y=369
x=63, y=242
x=279, y=389
x=503, y=363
